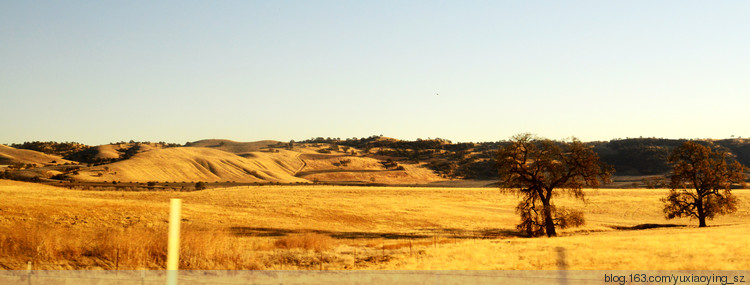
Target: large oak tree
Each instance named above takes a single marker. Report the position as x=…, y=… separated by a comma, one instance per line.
x=701, y=182
x=539, y=169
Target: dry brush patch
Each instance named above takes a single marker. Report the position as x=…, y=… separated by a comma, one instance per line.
x=56, y=247
x=50, y=246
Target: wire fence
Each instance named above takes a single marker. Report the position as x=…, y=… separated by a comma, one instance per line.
x=297, y=277
x=525, y=277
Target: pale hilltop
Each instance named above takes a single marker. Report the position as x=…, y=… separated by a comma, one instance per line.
x=239, y=148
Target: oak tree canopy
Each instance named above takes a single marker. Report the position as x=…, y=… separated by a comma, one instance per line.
x=701, y=181
x=538, y=169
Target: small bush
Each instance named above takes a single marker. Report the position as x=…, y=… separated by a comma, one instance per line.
x=200, y=185
x=345, y=162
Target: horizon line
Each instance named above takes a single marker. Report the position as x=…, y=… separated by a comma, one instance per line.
x=345, y=139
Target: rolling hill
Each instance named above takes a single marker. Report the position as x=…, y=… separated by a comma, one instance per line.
x=339, y=167
x=197, y=164
x=218, y=161
x=239, y=148
x=374, y=159
x=9, y=156
x=112, y=152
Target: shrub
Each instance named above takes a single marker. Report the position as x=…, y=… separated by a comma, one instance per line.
x=200, y=185
x=345, y=162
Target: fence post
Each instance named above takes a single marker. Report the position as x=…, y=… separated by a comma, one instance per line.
x=173, y=244
x=562, y=265
x=383, y=249
x=28, y=270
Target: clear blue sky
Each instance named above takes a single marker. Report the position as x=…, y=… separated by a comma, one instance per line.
x=177, y=71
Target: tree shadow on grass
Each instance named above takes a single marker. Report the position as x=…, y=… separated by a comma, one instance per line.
x=263, y=232
x=646, y=226
x=422, y=233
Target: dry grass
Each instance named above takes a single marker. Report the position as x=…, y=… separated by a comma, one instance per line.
x=713, y=248
x=53, y=247
x=413, y=174
x=314, y=227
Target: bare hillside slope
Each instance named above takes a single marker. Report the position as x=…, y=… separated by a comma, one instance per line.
x=338, y=166
x=197, y=164
x=9, y=155
x=239, y=148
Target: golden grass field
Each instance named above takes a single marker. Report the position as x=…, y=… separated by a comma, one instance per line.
x=348, y=227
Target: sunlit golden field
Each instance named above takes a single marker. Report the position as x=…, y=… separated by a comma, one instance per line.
x=341, y=227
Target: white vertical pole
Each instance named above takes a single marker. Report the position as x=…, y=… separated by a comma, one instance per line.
x=173, y=245
x=28, y=271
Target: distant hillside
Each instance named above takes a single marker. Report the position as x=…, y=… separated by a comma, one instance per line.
x=101, y=154
x=113, y=152
x=196, y=164
x=13, y=156
x=444, y=158
x=648, y=156
x=53, y=148
x=233, y=146
x=637, y=156
x=338, y=165
x=374, y=159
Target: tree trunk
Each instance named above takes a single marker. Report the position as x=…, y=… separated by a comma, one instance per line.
x=548, y=222
x=701, y=212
